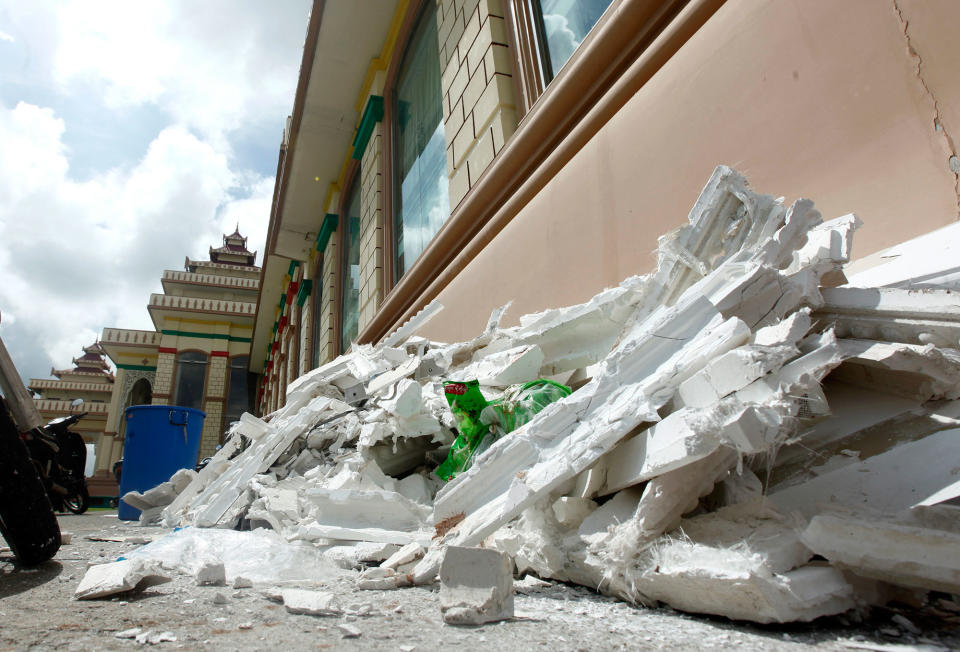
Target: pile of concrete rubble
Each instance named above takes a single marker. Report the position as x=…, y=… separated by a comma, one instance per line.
x=746, y=436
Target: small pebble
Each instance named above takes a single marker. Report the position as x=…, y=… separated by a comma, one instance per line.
x=348, y=631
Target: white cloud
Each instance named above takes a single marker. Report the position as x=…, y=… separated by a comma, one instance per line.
x=82, y=255
x=214, y=66
x=6, y=37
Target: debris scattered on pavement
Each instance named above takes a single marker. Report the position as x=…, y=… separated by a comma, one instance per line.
x=715, y=425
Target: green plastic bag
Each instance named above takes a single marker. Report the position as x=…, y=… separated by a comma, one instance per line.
x=482, y=422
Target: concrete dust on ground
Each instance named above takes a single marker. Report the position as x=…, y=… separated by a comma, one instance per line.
x=38, y=612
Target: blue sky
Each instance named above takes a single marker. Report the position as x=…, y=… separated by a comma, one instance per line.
x=132, y=134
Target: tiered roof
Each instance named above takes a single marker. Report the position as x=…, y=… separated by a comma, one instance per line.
x=234, y=246
x=91, y=363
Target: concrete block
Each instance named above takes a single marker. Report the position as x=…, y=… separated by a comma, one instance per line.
x=476, y=586
x=211, y=573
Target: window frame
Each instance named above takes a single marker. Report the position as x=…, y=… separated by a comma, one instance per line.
x=175, y=389
x=352, y=181
x=532, y=69
x=388, y=147
x=229, y=388
x=317, y=316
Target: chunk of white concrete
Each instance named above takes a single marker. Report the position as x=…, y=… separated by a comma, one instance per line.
x=311, y=603
x=476, y=586
x=407, y=554
x=403, y=399
x=211, y=573
x=119, y=576
x=570, y=511
x=610, y=514
x=182, y=479
x=725, y=582
x=514, y=366
x=902, y=551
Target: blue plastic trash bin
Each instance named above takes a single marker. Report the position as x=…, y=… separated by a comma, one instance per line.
x=160, y=440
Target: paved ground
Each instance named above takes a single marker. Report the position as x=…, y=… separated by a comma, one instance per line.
x=37, y=612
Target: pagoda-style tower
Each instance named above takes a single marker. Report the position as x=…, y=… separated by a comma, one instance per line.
x=233, y=252
x=198, y=356
x=90, y=380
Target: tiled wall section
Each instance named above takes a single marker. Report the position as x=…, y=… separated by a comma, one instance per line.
x=164, y=384
x=216, y=376
x=479, y=109
x=210, y=436
x=371, y=228
x=331, y=276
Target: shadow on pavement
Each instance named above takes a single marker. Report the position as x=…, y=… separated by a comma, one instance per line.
x=16, y=579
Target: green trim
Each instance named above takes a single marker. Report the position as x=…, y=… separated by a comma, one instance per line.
x=136, y=367
x=207, y=336
x=283, y=301
x=372, y=114
x=294, y=264
x=306, y=286
x=329, y=225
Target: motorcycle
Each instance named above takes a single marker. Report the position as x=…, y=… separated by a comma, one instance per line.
x=61, y=457
x=27, y=520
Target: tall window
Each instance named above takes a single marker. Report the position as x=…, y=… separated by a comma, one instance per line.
x=238, y=394
x=317, y=311
x=421, y=198
x=350, y=275
x=191, y=373
x=564, y=25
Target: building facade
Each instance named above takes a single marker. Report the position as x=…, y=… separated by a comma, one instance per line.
x=198, y=355
x=484, y=151
x=92, y=381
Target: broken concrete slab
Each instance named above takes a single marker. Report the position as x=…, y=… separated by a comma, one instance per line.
x=923, y=316
x=904, y=550
x=311, y=603
x=116, y=577
x=476, y=586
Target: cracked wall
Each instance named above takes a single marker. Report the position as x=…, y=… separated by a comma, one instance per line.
x=930, y=38
x=814, y=98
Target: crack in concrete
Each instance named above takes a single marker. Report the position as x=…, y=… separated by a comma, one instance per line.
x=953, y=162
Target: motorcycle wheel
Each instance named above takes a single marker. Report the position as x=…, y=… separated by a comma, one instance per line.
x=27, y=520
x=77, y=503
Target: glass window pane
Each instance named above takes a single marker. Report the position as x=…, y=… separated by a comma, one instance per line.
x=191, y=372
x=238, y=397
x=565, y=24
x=317, y=312
x=421, y=201
x=350, y=309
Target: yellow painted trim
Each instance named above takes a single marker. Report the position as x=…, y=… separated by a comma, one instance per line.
x=334, y=188
x=205, y=322
x=136, y=358
x=386, y=53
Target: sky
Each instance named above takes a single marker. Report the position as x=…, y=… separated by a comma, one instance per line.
x=132, y=135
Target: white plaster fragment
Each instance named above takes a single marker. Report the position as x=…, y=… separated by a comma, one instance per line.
x=476, y=586
x=311, y=603
x=905, y=550
x=119, y=576
x=211, y=573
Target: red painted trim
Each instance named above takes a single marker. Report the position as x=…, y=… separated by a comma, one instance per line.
x=167, y=349
x=219, y=354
